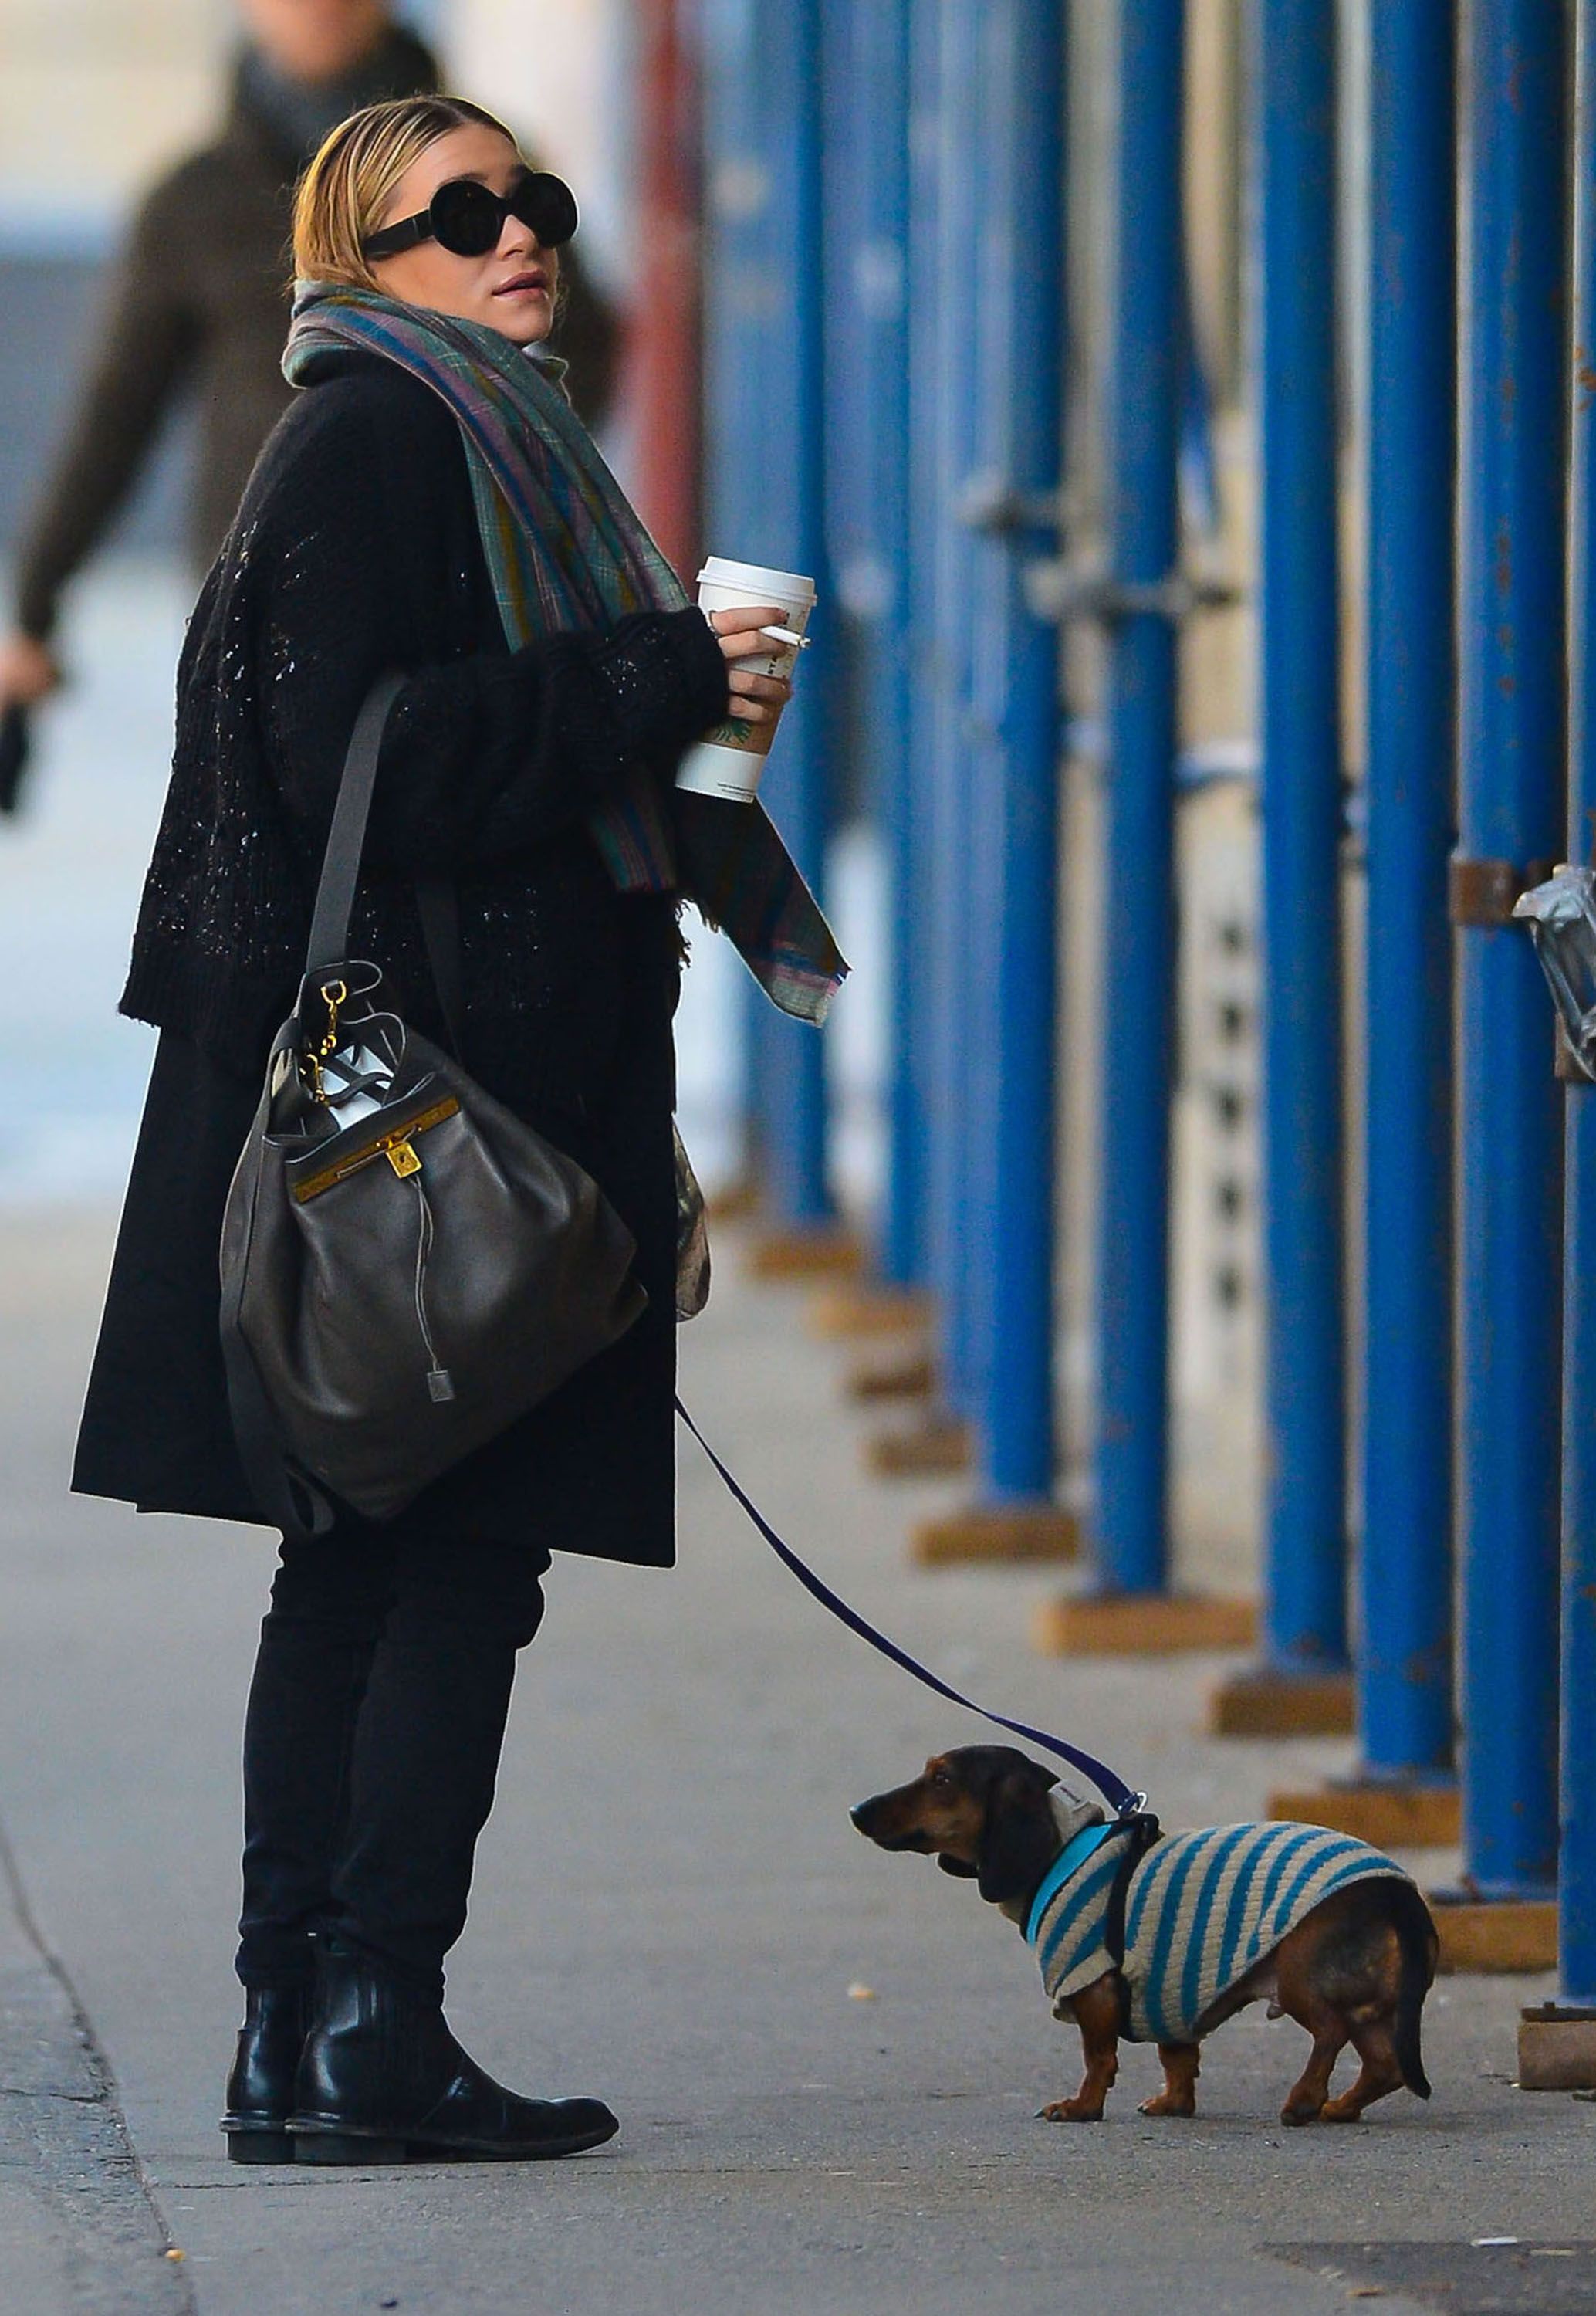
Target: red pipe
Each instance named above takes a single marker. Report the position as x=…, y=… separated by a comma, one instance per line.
x=662, y=362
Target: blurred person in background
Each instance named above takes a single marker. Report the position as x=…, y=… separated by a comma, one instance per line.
x=197, y=306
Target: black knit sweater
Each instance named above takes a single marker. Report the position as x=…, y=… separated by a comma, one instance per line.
x=355, y=550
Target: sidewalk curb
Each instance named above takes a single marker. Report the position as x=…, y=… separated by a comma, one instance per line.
x=77, y=2214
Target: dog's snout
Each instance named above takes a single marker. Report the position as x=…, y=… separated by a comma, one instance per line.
x=894, y=1821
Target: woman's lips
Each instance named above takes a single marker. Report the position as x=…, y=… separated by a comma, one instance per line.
x=520, y=283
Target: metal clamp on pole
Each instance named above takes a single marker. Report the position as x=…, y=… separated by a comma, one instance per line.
x=1056, y=589
x=990, y=503
x=1063, y=591
x=1566, y=1065
x=1482, y=893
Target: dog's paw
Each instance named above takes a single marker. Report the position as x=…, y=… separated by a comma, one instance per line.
x=1300, y=2111
x=1069, y=2110
x=1161, y=2103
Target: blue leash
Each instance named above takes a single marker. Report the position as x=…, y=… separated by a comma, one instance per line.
x=1113, y=1788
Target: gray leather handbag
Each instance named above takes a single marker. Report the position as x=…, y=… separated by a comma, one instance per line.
x=406, y=1266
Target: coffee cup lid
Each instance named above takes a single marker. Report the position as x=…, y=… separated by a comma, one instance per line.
x=763, y=582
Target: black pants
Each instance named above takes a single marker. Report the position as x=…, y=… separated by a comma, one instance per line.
x=372, y=1741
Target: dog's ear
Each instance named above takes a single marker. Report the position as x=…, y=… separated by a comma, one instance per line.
x=1019, y=1839
x=955, y=1866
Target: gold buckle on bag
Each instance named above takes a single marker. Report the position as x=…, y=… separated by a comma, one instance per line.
x=396, y=1147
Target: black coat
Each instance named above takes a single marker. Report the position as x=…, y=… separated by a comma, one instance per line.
x=357, y=549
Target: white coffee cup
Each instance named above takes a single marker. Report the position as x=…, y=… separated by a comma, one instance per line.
x=728, y=762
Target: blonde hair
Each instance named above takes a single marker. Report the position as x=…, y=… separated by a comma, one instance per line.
x=347, y=187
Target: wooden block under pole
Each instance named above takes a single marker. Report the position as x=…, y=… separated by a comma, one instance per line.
x=733, y=1202
x=1011, y=1532
x=1489, y=1934
x=1263, y=1702
x=1390, y=1817
x=804, y=1253
x=868, y=1308
x=939, y=1444
x=1557, y=2047
x=910, y=1375
x=1140, y=1624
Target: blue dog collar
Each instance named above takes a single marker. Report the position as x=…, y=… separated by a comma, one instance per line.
x=1070, y=1861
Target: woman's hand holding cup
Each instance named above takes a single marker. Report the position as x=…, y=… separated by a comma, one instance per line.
x=752, y=698
x=758, y=617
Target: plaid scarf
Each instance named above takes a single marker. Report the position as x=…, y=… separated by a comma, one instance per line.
x=565, y=550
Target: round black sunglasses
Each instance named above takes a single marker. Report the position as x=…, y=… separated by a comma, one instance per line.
x=466, y=217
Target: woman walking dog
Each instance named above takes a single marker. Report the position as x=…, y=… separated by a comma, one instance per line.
x=428, y=504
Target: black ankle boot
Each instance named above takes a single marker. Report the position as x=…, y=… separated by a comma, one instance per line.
x=260, y=2087
x=382, y=2078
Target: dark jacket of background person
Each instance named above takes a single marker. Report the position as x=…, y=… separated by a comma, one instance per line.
x=355, y=550
x=199, y=303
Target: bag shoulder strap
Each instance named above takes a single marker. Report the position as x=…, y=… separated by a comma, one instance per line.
x=346, y=839
x=437, y=902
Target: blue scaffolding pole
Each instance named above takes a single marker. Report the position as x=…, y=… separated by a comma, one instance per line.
x=1511, y=787
x=1305, y=1449
x=1143, y=396
x=935, y=928
x=920, y=708
x=1018, y=103
x=1404, y=1671
x=771, y=150
x=944, y=61
x=1576, y=1875
x=737, y=185
x=867, y=77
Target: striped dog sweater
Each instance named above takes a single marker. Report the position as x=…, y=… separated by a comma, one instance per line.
x=1201, y=1909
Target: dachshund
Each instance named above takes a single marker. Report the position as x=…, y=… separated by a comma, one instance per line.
x=1161, y=1937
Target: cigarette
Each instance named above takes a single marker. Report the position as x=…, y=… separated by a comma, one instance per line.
x=788, y=635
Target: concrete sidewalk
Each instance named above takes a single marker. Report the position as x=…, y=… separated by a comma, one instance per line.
x=673, y=1909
